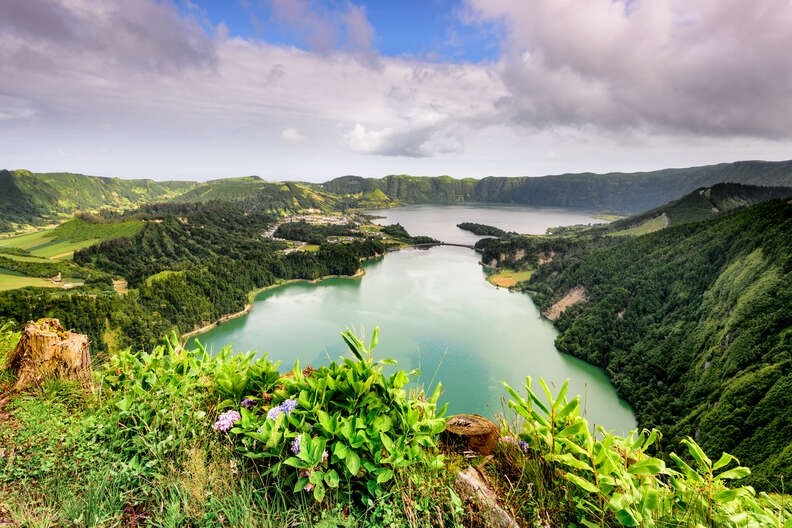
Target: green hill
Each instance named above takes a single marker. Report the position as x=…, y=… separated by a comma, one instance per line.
x=253, y=193
x=28, y=198
x=616, y=191
x=701, y=204
x=693, y=324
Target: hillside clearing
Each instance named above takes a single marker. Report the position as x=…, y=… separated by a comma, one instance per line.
x=508, y=278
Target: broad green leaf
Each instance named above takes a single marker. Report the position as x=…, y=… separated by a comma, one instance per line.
x=648, y=466
x=319, y=492
x=353, y=463
x=734, y=473
x=384, y=476
x=331, y=478
x=581, y=483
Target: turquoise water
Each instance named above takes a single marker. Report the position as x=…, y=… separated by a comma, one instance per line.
x=436, y=313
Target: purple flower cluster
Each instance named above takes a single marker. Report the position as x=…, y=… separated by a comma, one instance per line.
x=295, y=447
x=248, y=403
x=286, y=407
x=226, y=421
x=523, y=446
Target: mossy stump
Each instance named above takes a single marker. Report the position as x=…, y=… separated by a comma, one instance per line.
x=471, y=432
x=45, y=350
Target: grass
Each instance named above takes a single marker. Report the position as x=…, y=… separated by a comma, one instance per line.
x=310, y=247
x=9, y=281
x=649, y=226
x=508, y=278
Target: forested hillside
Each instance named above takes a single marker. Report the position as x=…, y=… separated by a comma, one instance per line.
x=35, y=199
x=618, y=192
x=28, y=198
x=693, y=323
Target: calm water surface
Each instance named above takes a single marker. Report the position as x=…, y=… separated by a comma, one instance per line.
x=436, y=313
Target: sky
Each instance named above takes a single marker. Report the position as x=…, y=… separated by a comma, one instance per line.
x=311, y=90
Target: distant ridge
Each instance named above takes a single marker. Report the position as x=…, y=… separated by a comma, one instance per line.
x=28, y=198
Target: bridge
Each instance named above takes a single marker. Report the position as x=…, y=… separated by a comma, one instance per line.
x=432, y=244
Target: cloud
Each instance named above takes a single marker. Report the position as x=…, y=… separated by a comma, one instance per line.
x=135, y=86
x=713, y=67
x=292, y=134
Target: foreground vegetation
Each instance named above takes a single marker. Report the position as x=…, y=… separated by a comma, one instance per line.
x=178, y=437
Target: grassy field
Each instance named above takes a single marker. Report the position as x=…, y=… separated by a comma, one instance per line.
x=12, y=282
x=61, y=242
x=507, y=278
x=650, y=226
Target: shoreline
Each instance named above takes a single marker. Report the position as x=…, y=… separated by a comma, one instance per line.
x=252, y=298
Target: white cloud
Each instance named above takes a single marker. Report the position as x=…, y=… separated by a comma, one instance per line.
x=292, y=134
x=128, y=87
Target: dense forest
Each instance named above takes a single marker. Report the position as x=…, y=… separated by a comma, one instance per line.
x=482, y=229
x=693, y=324
x=314, y=233
x=188, y=266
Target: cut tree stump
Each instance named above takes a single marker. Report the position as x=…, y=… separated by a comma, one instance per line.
x=473, y=432
x=45, y=350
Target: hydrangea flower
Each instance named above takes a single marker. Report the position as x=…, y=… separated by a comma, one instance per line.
x=295, y=447
x=226, y=421
x=248, y=403
x=286, y=407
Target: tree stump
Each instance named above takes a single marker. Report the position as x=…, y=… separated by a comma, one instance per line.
x=473, y=432
x=45, y=350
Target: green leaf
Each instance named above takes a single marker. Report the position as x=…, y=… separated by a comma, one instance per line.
x=353, y=463
x=331, y=478
x=384, y=476
x=319, y=492
x=734, y=473
x=340, y=450
x=294, y=462
x=316, y=477
x=301, y=482
x=325, y=422
x=648, y=466
x=723, y=461
x=581, y=483
x=626, y=518
x=387, y=442
x=573, y=430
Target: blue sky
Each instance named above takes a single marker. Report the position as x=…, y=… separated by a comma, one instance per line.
x=434, y=30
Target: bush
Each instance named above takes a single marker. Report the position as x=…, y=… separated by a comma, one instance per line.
x=346, y=422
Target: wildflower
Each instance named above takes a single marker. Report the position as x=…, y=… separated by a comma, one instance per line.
x=507, y=440
x=260, y=429
x=226, y=421
x=288, y=406
x=248, y=403
x=325, y=455
x=295, y=447
x=523, y=446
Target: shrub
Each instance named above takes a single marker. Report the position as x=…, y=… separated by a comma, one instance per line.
x=346, y=422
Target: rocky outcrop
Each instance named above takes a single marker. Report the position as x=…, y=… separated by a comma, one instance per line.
x=473, y=487
x=573, y=296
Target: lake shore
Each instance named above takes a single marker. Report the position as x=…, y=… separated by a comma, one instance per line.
x=252, y=298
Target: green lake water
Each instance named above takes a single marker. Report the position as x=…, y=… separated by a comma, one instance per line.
x=436, y=313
